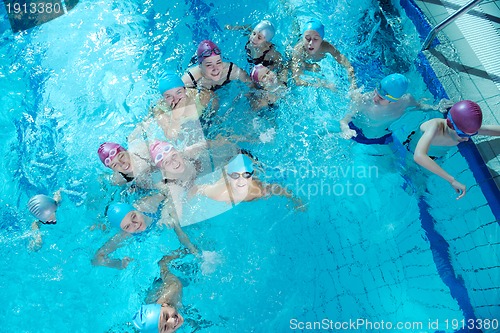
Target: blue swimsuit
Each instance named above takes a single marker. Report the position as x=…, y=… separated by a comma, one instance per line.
x=361, y=138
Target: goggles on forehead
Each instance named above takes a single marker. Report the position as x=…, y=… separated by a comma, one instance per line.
x=111, y=155
x=460, y=133
x=208, y=52
x=161, y=154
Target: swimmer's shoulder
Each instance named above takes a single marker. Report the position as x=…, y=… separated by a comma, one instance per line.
x=436, y=124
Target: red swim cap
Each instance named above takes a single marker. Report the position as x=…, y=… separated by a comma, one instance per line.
x=467, y=115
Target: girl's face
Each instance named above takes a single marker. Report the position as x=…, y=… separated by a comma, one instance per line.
x=173, y=163
x=170, y=319
x=267, y=77
x=257, y=38
x=379, y=100
x=211, y=67
x=312, y=41
x=240, y=182
x=133, y=222
x=121, y=163
x=174, y=96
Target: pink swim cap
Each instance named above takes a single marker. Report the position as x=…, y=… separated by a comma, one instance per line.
x=107, y=152
x=255, y=72
x=206, y=49
x=467, y=116
x=158, y=151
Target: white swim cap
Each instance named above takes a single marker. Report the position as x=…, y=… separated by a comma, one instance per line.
x=266, y=28
x=42, y=207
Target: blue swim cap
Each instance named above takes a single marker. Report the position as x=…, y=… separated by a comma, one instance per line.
x=316, y=25
x=169, y=81
x=117, y=211
x=240, y=163
x=42, y=207
x=147, y=318
x=393, y=86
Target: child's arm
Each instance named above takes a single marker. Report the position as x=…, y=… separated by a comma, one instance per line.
x=443, y=105
x=341, y=59
x=36, y=242
x=347, y=132
x=150, y=203
x=239, y=74
x=101, y=257
x=422, y=158
x=275, y=189
x=491, y=130
x=246, y=28
x=212, y=191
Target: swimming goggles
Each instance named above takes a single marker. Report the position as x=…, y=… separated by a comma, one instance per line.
x=161, y=155
x=48, y=222
x=460, y=133
x=208, y=52
x=383, y=93
x=112, y=153
x=236, y=175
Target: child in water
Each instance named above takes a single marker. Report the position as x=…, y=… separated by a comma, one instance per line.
x=239, y=185
x=259, y=48
x=313, y=48
x=464, y=120
x=44, y=209
x=161, y=313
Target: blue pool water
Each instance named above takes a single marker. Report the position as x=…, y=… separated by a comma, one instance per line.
x=381, y=240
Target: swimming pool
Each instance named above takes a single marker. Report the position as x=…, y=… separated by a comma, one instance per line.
x=372, y=245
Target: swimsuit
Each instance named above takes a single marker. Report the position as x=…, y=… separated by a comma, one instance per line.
x=361, y=138
x=128, y=179
x=217, y=86
x=261, y=59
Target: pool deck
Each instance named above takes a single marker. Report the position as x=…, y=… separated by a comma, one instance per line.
x=475, y=39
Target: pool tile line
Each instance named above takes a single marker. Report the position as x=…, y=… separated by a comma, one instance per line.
x=440, y=252
x=482, y=175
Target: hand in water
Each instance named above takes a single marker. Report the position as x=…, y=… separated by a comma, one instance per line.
x=459, y=188
x=444, y=105
x=126, y=261
x=348, y=133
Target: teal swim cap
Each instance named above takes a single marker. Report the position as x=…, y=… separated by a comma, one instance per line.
x=147, y=318
x=169, y=81
x=393, y=86
x=240, y=163
x=316, y=25
x=117, y=211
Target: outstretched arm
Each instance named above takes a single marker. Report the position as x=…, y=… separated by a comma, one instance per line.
x=101, y=258
x=239, y=74
x=491, y=130
x=246, y=28
x=169, y=218
x=422, y=158
x=414, y=105
x=341, y=59
x=36, y=242
x=275, y=189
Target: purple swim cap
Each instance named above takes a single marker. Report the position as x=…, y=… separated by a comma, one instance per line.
x=206, y=49
x=255, y=72
x=467, y=116
x=107, y=152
